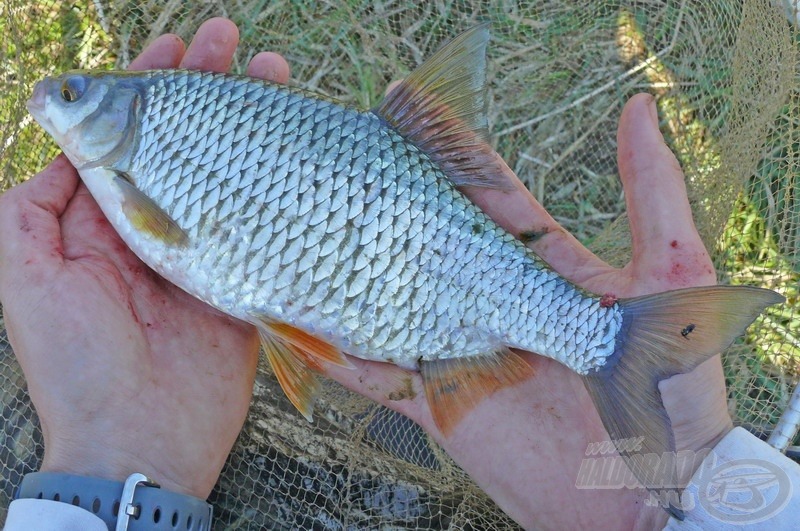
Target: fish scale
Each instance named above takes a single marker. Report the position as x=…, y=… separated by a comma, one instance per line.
x=375, y=199
x=335, y=230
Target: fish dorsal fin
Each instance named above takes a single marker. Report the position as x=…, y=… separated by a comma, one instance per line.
x=441, y=108
x=453, y=387
x=295, y=356
x=145, y=215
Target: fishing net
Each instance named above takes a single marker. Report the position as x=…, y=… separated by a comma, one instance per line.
x=724, y=73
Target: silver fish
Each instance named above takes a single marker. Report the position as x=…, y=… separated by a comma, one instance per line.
x=335, y=230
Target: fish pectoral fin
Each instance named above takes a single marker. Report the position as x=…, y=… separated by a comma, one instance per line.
x=441, y=108
x=145, y=215
x=297, y=379
x=455, y=386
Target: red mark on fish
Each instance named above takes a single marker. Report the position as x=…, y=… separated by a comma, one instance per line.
x=608, y=300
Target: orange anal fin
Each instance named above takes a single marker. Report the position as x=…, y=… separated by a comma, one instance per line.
x=455, y=386
x=293, y=373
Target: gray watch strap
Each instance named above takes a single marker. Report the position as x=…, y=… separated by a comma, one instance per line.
x=150, y=507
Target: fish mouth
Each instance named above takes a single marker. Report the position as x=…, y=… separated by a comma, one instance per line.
x=37, y=107
x=36, y=103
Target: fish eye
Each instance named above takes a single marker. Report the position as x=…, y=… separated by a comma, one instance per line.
x=72, y=88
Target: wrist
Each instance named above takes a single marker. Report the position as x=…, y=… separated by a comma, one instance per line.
x=113, y=463
x=138, y=503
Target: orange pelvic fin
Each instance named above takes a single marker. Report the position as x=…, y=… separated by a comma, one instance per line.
x=311, y=348
x=295, y=356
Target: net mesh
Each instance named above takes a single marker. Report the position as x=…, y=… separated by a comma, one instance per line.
x=724, y=73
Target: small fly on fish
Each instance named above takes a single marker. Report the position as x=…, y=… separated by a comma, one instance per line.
x=335, y=230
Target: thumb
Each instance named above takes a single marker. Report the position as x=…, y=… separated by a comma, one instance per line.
x=31, y=245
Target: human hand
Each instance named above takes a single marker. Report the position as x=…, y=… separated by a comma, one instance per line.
x=127, y=372
x=524, y=445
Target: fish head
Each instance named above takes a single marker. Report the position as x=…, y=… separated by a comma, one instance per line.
x=91, y=115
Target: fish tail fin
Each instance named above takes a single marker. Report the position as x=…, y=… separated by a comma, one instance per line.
x=663, y=335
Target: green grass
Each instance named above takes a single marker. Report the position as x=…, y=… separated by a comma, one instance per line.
x=41, y=38
x=762, y=376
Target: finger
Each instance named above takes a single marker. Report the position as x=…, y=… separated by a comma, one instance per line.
x=270, y=66
x=29, y=213
x=662, y=227
x=212, y=47
x=387, y=384
x=86, y=231
x=522, y=215
x=164, y=52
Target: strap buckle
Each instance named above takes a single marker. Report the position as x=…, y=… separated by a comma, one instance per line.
x=127, y=508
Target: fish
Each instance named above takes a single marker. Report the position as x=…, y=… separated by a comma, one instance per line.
x=338, y=230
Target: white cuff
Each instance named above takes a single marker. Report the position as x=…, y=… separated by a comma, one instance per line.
x=743, y=483
x=48, y=515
